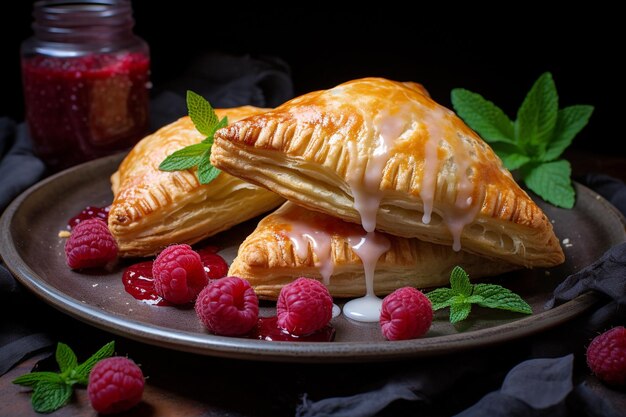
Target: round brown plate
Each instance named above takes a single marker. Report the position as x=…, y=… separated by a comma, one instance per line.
x=31, y=248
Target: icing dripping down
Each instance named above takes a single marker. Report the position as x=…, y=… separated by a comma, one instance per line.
x=438, y=122
x=301, y=235
x=365, y=186
x=369, y=248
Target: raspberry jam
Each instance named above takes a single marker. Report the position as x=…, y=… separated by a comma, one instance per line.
x=267, y=329
x=89, y=212
x=139, y=283
x=86, y=78
x=85, y=107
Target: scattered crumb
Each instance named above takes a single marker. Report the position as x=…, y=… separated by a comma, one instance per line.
x=553, y=221
x=64, y=233
x=567, y=243
x=94, y=285
x=546, y=273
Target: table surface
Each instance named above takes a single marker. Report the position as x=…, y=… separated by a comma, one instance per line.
x=183, y=384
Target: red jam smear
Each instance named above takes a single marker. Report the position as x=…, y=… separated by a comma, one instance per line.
x=81, y=108
x=267, y=329
x=89, y=212
x=139, y=282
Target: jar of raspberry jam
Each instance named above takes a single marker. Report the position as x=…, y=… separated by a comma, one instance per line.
x=86, y=80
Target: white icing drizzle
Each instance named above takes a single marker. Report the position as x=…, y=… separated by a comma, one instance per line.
x=301, y=235
x=433, y=120
x=369, y=248
x=464, y=210
x=365, y=186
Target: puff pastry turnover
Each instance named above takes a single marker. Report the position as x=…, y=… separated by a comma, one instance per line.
x=152, y=209
x=382, y=153
x=294, y=241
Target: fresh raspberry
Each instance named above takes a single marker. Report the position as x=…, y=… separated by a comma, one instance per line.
x=90, y=245
x=228, y=307
x=606, y=356
x=304, y=306
x=115, y=385
x=179, y=275
x=406, y=313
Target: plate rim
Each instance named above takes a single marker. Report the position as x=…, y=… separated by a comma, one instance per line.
x=240, y=348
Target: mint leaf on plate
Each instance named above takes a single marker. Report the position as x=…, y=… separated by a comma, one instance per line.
x=539, y=136
x=463, y=294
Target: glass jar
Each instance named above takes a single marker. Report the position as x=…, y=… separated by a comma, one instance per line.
x=86, y=80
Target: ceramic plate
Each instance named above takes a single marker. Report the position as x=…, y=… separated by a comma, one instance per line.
x=31, y=248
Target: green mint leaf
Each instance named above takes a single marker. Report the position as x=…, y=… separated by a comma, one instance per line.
x=536, y=118
x=185, y=158
x=514, y=161
x=551, y=181
x=460, y=283
x=82, y=371
x=201, y=113
x=483, y=116
x=496, y=296
x=222, y=123
x=459, y=312
x=206, y=171
x=66, y=358
x=50, y=396
x=440, y=298
x=569, y=122
x=33, y=378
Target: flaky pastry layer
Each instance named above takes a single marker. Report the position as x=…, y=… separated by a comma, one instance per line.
x=269, y=258
x=153, y=208
x=321, y=149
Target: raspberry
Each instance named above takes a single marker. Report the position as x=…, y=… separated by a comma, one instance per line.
x=228, y=307
x=606, y=356
x=178, y=273
x=304, y=306
x=115, y=385
x=406, y=313
x=90, y=245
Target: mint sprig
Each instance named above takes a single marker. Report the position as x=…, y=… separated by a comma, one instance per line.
x=462, y=294
x=198, y=155
x=53, y=390
x=535, y=141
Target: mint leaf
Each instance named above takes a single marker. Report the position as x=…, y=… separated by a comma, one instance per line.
x=82, y=371
x=569, y=122
x=496, y=296
x=201, y=113
x=32, y=379
x=542, y=132
x=50, y=396
x=440, y=298
x=206, y=171
x=551, y=181
x=222, y=123
x=459, y=312
x=463, y=294
x=459, y=281
x=536, y=118
x=206, y=122
x=185, y=158
x=66, y=358
x=483, y=116
x=515, y=161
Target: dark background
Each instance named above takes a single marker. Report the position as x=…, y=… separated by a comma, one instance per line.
x=496, y=52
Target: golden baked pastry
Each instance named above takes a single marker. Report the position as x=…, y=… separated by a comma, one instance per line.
x=383, y=154
x=152, y=208
x=294, y=242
